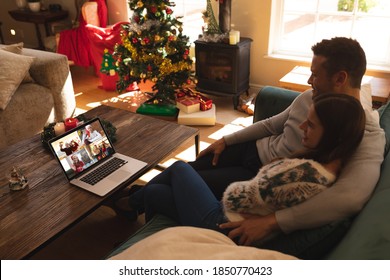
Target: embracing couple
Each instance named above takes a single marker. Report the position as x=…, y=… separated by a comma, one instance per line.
x=312, y=165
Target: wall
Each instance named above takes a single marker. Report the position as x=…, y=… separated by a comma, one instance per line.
x=251, y=18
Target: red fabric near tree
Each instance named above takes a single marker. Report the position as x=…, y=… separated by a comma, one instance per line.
x=102, y=38
x=74, y=43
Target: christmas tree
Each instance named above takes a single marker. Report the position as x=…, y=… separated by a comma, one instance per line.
x=154, y=48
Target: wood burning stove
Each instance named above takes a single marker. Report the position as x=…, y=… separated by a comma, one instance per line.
x=223, y=69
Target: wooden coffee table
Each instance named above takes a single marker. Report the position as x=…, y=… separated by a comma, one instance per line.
x=31, y=218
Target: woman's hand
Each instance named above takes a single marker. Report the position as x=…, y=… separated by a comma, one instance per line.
x=216, y=148
x=252, y=228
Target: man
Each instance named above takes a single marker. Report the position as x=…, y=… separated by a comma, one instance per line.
x=338, y=66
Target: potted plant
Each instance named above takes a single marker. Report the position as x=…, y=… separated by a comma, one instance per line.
x=34, y=5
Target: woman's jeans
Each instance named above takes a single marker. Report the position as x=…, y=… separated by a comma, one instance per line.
x=236, y=163
x=181, y=194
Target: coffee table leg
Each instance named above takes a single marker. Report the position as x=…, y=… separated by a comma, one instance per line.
x=197, y=145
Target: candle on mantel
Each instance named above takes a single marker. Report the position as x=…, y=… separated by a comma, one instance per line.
x=59, y=128
x=70, y=123
x=234, y=37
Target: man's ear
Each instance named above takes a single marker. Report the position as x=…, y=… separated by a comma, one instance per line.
x=340, y=78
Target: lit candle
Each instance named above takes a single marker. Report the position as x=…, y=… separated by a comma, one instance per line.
x=70, y=123
x=237, y=36
x=59, y=128
x=234, y=37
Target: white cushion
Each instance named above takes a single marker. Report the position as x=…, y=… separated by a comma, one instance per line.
x=365, y=96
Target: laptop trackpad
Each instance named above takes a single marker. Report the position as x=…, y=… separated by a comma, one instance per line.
x=120, y=176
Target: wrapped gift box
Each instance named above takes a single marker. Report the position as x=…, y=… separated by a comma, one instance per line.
x=188, y=104
x=198, y=118
x=205, y=103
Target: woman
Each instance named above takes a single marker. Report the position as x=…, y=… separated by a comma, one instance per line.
x=332, y=132
x=77, y=164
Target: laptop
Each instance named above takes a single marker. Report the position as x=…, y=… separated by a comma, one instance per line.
x=89, y=161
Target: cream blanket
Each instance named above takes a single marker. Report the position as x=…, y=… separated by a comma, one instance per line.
x=190, y=243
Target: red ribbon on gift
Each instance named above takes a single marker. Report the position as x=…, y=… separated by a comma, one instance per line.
x=205, y=103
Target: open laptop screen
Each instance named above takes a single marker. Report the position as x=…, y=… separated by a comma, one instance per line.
x=82, y=148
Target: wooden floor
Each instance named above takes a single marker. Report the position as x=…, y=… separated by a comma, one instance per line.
x=95, y=236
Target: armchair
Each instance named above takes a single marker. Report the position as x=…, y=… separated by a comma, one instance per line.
x=47, y=97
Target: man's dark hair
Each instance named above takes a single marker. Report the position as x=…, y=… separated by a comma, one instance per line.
x=343, y=54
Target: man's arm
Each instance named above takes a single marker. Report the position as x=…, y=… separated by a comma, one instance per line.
x=258, y=130
x=264, y=128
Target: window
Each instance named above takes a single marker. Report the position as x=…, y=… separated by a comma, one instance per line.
x=191, y=11
x=299, y=24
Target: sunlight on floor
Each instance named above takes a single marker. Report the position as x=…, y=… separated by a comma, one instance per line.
x=94, y=104
x=243, y=121
x=227, y=129
x=149, y=175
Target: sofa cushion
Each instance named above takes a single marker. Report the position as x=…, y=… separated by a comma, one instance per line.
x=369, y=235
x=13, y=69
x=384, y=121
x=310, y=244
x=17, y=49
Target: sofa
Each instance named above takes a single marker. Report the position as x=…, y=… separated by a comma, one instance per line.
x=366, y=237
x=35, y=89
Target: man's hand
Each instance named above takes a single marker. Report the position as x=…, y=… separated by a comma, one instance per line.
x=252, y=228
x=216, y=148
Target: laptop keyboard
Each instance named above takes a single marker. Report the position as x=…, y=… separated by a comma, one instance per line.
x=103, y=171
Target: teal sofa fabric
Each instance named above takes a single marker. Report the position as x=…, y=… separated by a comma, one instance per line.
x=366, y=237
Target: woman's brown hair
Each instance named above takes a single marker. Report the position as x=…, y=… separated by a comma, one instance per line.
x=343, y=120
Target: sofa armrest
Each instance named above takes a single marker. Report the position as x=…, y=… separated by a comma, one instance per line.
x=51, y=70
x=271, y=101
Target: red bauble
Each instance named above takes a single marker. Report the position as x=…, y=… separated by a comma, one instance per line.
x=146, y=40
x=153, y=9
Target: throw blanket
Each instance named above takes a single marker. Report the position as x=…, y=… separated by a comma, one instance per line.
x=191, y=243
x=280, y=184
x=74, y=43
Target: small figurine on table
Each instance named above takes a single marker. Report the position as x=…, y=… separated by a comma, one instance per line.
x=18, y=181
